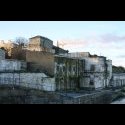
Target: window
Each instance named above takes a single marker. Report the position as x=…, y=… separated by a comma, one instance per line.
x=92, y=68
x=64, y=68
x=91, y=82
x=69, y=68
x=57, y=68
x=74, y=69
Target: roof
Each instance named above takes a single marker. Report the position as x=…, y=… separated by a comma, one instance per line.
x=97, y=56
x=64, y=56
x=38, y=36
x=56, y=47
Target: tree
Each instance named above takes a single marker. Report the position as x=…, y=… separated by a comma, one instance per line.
x=118, y=69
x=21, y=41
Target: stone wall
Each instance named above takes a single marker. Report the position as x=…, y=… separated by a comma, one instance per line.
x=2, y=54
x=68, y=73
x=39, y=43
x=40, y=62
x=12, y=65
x=95, y=71
x=93, y=81
x=118, y=80
x=31, y=80
x=102, y=97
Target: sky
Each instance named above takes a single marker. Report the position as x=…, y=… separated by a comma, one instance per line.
x=105, y=38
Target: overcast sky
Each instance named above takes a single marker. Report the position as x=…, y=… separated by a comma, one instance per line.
x=106, y=38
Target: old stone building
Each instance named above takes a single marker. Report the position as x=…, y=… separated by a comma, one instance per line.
x=118, y=80
x=31, y=80
x=40, y=61
x=68, y=72
x=40, y=43
x=97, y=72
x=11, y=65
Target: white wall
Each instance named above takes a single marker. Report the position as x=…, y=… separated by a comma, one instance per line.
x=32, y=80
x=2, y=54
x=118, y=79
x=10, y=65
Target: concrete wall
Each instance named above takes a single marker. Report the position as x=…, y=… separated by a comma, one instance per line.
x=93, y=81
x=98, y=63
x=94, y=71
x=2, y=54
x=118, y=79
x=109, y=68
x=101, y=74
x=31, y=80
x=41, y=62
x=12, y=65
x=109, y=71
x=78, y=54
x=102, y=97
x=97, y=71
x=68, y=73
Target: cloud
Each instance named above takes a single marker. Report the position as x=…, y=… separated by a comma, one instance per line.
x=111, y=38
x=121, y=56
x=109, y=45
x=103, y=41
x=74, y=43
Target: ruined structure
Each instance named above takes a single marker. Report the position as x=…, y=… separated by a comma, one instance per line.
x=97, y=72
x=66, y=71
x=15, y=72
x=31, y=80
x=39, y=43
x=10, y=65
x=118, y=80
x=40, y=61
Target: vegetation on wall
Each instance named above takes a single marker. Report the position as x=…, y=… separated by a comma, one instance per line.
x=118, y=69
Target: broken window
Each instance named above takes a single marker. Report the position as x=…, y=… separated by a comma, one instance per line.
x=69, y=68
x=74, y=69
x=92, y=68
x=91, y=82
x=64, y=68
x=57, y=68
